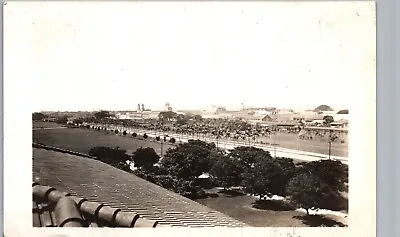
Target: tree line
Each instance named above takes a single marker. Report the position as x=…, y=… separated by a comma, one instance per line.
x=309, y=185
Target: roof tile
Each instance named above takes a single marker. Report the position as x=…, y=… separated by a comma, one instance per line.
x=126, y=219
x=67, y=213
x=45, y=217
x=108, y=213
x=141, y=222
x=91, y=208
x=42, y=191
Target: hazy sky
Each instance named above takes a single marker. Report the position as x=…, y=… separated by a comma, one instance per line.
x=86, y=56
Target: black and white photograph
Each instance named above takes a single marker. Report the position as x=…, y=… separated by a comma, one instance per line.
x=193, y=114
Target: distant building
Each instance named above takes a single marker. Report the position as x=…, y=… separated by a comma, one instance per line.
x=255, y=119
x=138, y=115
x=168, y=107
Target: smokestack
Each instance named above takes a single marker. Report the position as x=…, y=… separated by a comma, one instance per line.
x=142, y=107
x=138, y=106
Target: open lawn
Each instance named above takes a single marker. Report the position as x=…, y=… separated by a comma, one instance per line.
x=39, y=125
x=82, y=140
x=292, y=141
x=266, y=213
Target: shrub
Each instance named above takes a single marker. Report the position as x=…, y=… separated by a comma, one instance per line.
x=185, y=188
x=172, y=140
x=145, y=136
x=116, y=131
x=158, y=138
x=134, y=134
x=124, y=133
x=112, y=156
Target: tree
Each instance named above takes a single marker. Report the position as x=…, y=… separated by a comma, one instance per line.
x=265, y=178
x=62, y=120
x=102, y=114
x=38, y=116
x=183, y=187
x=288, y=171
x=167, y=115
x=332, y=172
x=248, y=156
x=172, y=140
x=328, y=119
x=145, y=136
x=197, y=118
x=134, y=134
x=189, y=160
x=78, y=121
x=227, y=172
x=158, y=138
x=145, y=157
x=112, y=156
x=124, y=133
x=307, y=191
x=116, y=131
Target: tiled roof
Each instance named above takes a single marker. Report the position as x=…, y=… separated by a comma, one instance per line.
x=102, y=183
x=55, y=208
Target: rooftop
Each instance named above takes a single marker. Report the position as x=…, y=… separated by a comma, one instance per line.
x=53, y=208
x=98, y=182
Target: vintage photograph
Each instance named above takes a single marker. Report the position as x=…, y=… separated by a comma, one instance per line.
x=194, y=114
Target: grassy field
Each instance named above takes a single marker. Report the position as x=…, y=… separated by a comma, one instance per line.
x=37, y=125
x=82, y=140
x=266, y=213
x=291, y=141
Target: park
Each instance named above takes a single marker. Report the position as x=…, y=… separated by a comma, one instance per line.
x=246, y=183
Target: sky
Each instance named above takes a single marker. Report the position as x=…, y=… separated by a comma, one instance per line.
x=112, y=56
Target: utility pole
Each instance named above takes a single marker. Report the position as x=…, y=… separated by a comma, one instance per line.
x=274, y=146
x=162, y=148
x=330, y=143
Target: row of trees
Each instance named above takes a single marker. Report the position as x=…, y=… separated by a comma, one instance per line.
x=309, y=185
x=219, y=128
x=145, y=136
